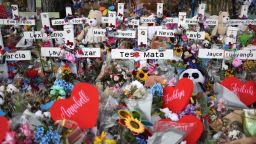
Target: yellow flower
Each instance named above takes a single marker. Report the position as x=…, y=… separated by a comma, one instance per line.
x=229, y=73
x=134, y=125
x=126, y=92
x=178, y=51
x=109, y=141
x=99, y=139
x=65, y=70
x=198, y=112
x=141, y=75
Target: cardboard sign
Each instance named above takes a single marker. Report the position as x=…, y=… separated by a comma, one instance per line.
x=150, y=54
x=182, y=18
x=15, y=22
x=134, y=22
x=212, y=22
x=40, y=35
x=196, y=35
x=104, y=19
x=112, y=18
x=84, y=100
x=147, y=20
x=99, y=32
x=165, y=33
x=120, y=11
x=45, y=20
x=241, y=54
x=68, y=11
x=211, y=53
x=126, y=34
x=142, y=36
x=50, y=52
x=15, y=11
x=69, y=36
x=56, y=52
x=235, y=22
x=201, y=8
x=232, y=32
x=160, y=9
x=90, y=53
x=170, y=20
x=19, y=55
x=177, y=98
x=244, y=11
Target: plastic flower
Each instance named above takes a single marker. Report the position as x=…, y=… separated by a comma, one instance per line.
x=66, y=85
x=157, y=89
x=10, y=138
x=39, y=133
x=134, y=125
x=237, y=62
x=65, y=70
x=141, y=75
x=100, y=139
x=57, y=90
x=70, y=57
x=26, y=131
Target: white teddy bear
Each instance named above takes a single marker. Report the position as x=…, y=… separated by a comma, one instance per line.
x=87, y=34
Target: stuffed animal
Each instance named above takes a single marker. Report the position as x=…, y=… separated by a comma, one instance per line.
x=87, y=34
x=221, y=28
x=196, y=75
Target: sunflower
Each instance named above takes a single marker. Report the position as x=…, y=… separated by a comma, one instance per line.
x=100, y=139
x=178, y=51
x=134, y=125
x=141, y=75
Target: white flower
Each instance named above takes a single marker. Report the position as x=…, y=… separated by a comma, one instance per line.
x=138, y=84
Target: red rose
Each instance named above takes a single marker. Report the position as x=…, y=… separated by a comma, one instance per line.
x=32, y=73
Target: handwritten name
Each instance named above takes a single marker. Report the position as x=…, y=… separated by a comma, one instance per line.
x=176, y=94
x=78, y=103
x=242, y=89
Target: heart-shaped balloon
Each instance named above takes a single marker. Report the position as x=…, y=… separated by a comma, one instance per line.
x=245, y=91
x=189, y=124
x=82, y=106
x=4, y=127
x=177, y=98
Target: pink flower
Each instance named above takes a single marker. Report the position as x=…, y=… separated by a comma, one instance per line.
x=26, y=131
x=70, y=57
x=237, y=62
x=10, y=138
x=172, y=82
x=221, y=105
x=184, y=38
x=46, y=44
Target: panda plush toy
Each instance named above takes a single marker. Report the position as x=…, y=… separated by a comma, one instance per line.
x=197, y=75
